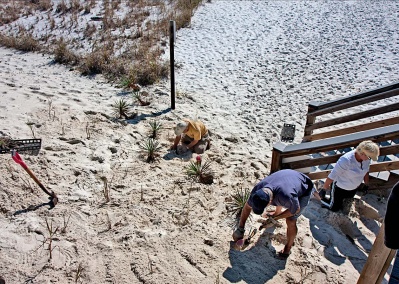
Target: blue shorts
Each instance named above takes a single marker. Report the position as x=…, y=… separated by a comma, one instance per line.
x=303, y=202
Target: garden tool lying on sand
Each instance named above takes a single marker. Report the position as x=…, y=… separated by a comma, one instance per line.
x=240, y=244
x=53, y=197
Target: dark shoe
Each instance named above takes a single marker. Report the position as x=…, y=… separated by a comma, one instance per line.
x=209, y=145
x=283, y=255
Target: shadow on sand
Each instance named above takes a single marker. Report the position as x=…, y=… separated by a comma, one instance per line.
x=256, y=265
x=33, y=208
x=339, y=236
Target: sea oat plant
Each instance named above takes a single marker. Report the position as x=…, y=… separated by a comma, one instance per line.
x=155, y=127
x=121, y=108
x=65, y=223
x=200, y=170
x=139, y=97
x=106, y=189
x=30, y=124
x=79, y=272
x=240, y=198
x=151, y=147
x=52, y=232
x=4, y=142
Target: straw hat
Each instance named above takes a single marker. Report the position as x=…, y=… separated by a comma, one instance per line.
x=180, y=127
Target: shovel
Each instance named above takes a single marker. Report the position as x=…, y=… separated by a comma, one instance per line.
x=240, y=244
x=53, y=197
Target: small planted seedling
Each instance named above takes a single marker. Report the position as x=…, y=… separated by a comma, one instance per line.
x=139, y=97
x=52, y=233
x=240, y=197
x=151, y=147
x=121, y=108
x=106, y=189
x=79, y=272
x=200, y=171
x=155, y=127
x=4, y=142
x=31, y=124
x=65, y=224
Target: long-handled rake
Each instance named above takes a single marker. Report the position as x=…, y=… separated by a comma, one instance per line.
x=31, y=146
x=17, y=158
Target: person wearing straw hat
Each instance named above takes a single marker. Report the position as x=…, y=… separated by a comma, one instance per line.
x=347, y=176
x=193, y=134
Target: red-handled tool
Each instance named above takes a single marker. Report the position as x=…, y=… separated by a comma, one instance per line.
x=17, y=158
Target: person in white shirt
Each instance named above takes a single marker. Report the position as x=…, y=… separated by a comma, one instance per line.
x=348, y=174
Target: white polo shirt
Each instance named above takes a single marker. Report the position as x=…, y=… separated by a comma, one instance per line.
x=348, y=172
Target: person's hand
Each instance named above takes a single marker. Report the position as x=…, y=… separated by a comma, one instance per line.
x=173, y=147
x=365, y=188
x=184, y=148
x=238, y=234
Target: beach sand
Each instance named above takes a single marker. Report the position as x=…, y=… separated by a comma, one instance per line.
x=245, y=69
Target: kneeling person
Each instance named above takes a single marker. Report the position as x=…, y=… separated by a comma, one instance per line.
x=193, y=134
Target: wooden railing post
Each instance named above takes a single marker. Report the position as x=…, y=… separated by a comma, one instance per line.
x=278, y=148
x=310, y=119
x=378, y=261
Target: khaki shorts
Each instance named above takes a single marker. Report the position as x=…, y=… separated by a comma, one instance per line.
x=201, y=146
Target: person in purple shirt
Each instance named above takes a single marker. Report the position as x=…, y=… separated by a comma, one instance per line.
x=289, y=191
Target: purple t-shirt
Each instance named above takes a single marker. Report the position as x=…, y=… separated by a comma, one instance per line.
x=287, y=187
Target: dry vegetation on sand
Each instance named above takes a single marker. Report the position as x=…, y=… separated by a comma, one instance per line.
x=123, y=40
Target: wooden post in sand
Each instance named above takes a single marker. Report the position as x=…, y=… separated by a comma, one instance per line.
x=172, y=37
x=378, y=261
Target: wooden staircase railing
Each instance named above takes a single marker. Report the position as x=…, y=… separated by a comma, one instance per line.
x=316, y=109
x=385, y=129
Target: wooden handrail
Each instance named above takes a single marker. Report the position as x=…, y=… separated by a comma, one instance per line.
x=353, y=103
x=352, y=129
x=325, y=160
x=321, y=105
x=281, y=150
x=316, y=109
x=352, y=117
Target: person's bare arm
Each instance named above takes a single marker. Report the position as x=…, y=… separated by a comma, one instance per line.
x=244, y=215
x=366, y=178
x=176, y=142
x=327, y=184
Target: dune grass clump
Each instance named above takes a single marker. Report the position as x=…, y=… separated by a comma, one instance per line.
x=239, y=199
x=95, y=62
x=151, y=148
x=150, y=72
x=63, y=55
x=42, y=5
x=106, y=48
x=121, y=108
x=200, y=170
x=155, y=127
x=26, y=42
